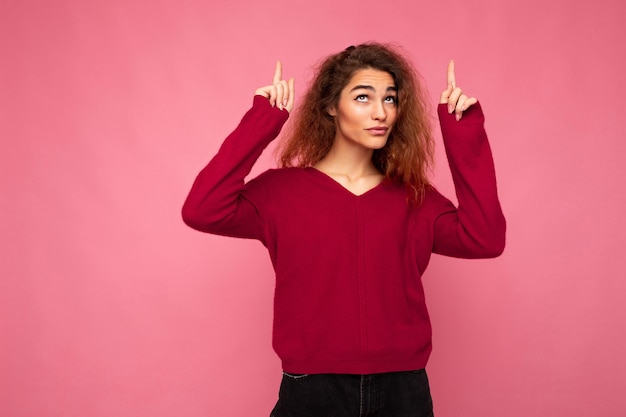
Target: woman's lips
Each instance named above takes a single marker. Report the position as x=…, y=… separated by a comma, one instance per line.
x=378, y=130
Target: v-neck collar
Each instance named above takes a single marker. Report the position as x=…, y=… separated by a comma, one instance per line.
x=337, y=184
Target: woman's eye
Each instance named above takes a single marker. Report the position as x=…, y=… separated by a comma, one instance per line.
x=362, y=98
x=391, y=99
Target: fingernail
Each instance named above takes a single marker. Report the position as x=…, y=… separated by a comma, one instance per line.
x=458, y=117
x=450, y=108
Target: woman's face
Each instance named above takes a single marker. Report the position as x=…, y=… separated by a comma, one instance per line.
x=367, y=109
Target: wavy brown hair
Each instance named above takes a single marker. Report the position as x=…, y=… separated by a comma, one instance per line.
x=408, y=153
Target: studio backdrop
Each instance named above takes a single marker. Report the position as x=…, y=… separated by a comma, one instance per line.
x=111, y=306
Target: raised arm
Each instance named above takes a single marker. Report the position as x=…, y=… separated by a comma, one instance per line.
x=476, y=229
x=219, y=202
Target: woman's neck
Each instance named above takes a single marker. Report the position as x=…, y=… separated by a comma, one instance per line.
x=355, y=171
x=351, y=162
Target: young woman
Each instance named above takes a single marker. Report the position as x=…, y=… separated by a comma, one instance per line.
x=350, y=221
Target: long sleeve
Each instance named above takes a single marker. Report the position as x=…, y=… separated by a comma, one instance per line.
x=218, y=201
x=476, y=229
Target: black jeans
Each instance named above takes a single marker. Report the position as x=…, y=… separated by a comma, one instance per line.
x=394, y=394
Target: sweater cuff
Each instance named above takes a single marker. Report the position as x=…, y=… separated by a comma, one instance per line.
x=474, y=113
x=260, y=102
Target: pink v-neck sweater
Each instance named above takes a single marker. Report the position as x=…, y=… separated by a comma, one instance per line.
x=349, y=296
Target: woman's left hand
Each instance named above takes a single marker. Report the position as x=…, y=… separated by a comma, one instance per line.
x=454, y=97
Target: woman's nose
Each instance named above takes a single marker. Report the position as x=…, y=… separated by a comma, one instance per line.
x=379, y=112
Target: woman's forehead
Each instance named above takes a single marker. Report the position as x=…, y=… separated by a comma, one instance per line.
x=371, y=77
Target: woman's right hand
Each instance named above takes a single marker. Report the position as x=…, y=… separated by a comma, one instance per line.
x=280, y=93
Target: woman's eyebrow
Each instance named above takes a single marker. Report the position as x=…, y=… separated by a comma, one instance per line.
x=369, y=87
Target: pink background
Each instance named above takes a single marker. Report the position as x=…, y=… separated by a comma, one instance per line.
x=110, y=306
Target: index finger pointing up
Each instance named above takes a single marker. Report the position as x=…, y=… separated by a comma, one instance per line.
x=451, y=77
x=278, y=73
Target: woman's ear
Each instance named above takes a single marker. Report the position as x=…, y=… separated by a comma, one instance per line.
x=332, y=111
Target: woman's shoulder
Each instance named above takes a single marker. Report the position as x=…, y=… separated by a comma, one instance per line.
x=433, y=199
x=277, y=186
x=278, y=177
